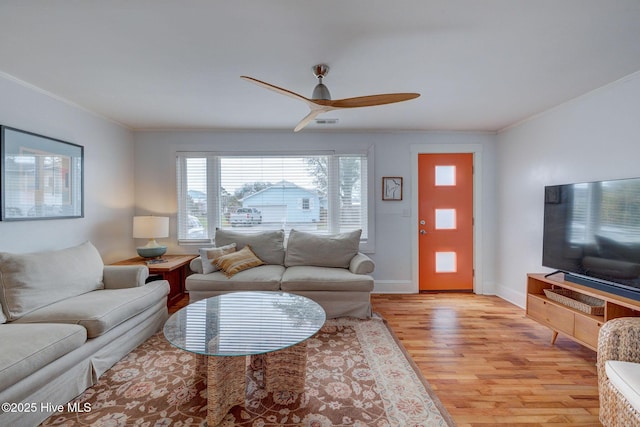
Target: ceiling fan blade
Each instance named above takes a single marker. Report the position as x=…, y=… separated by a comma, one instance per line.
x=319, y=106
x=275, y=88
x=307, y=119
x=371, y=100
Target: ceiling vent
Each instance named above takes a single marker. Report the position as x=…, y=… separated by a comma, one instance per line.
x=326, y=121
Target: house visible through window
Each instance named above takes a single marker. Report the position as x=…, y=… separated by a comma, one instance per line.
x=324, y=194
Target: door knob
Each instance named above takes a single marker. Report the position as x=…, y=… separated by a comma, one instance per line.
x=423, y=232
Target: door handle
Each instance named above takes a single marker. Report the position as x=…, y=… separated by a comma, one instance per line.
x=423, y=232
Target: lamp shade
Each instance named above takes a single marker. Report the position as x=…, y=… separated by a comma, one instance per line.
x=150, y=227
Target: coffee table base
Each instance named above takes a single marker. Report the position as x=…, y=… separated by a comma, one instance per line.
x=226, y=386
x=285, y=370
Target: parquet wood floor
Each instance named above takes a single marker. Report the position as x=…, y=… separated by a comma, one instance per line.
x=489, y=364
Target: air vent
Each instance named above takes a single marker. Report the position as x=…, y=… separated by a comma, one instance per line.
x=326, y=121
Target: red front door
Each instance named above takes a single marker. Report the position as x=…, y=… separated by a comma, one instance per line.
x=445, y=216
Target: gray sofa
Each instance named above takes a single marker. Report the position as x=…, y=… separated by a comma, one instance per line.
x=65, y=319
x=326, y=269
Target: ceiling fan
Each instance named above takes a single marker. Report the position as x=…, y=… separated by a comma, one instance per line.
x=321, y=102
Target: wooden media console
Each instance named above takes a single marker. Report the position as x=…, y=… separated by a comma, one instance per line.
x=578, y=325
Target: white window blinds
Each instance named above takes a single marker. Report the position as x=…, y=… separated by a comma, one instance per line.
x=319, y=193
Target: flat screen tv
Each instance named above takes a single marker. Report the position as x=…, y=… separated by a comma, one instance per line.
x=592, y=234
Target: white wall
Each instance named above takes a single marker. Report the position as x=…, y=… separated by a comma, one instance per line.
x=594, y=137
x=156, y=183
x=108, y=162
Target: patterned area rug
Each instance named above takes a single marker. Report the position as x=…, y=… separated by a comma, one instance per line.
x=357, y=375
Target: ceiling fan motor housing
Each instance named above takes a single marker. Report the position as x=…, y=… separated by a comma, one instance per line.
x=320, y=91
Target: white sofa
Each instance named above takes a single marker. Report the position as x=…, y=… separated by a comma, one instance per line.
x=65, y=319
x=326, y=269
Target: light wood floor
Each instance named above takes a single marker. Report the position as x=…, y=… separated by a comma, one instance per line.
x=490, y=365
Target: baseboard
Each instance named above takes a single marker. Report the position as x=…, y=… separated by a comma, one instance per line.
x=515, y=298
x=394, y=287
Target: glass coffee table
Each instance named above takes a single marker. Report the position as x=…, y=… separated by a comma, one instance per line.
x=229, y=327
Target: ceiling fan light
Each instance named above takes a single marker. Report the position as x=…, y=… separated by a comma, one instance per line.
x=321, y=92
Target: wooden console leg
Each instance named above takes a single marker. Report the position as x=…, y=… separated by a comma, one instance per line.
x=226, y=386
x=285, y=370
x=553, y=337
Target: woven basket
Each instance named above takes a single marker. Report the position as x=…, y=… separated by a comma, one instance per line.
x=584, y=303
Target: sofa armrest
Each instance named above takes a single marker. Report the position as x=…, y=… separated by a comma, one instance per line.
x=124, y=276
x=196, y=265
x=361, y=264
x=619, y=339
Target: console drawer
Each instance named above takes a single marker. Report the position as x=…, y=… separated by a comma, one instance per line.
x=557, y=318
x=587, y=329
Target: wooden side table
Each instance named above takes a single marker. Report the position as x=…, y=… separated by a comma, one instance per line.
x=175, y=271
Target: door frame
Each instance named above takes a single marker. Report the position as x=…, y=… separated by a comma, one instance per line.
x=476, y=150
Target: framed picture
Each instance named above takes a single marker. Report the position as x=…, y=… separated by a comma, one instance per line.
x=40, y=177
x=391, y=188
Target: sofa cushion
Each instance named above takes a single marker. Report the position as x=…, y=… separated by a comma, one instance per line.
x=306, y=278
x=262, y=278
x=31, y=281
x=101, y=310
x=236, y=262
x=322, y=251
x=267, y=245
x=625, y=376
x=209, y=256
x=40, y=344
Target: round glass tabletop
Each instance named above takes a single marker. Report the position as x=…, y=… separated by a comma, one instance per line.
x=244, y=323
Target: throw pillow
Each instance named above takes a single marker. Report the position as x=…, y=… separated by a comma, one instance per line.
x=321, y=251
x=267, y=245
x=235, y=262
x=210, y=255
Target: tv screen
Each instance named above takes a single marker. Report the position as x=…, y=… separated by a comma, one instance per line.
x=592, y=230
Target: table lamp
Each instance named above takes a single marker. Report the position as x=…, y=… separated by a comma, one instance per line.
x=151, y=227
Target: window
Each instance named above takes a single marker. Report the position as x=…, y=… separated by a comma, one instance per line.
x=306, y=203
x=319, y=193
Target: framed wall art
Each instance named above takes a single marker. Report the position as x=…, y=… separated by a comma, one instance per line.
x=40, y=177
x=391, y=188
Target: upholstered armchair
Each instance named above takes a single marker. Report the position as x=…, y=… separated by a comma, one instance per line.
x=619, y=372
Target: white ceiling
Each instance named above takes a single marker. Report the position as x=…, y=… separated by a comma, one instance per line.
x=480, y=65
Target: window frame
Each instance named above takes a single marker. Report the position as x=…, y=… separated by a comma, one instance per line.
x=213, y=180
